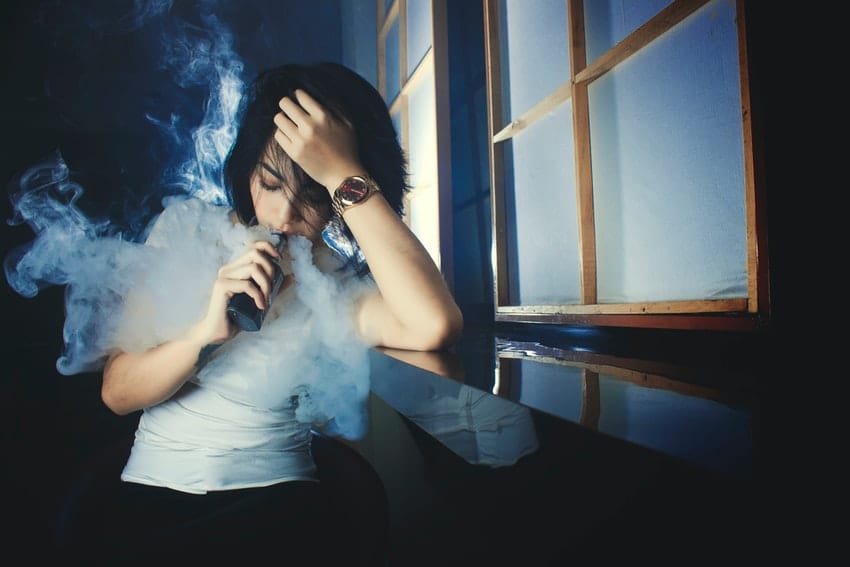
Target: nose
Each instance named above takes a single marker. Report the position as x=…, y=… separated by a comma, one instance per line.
x=286, y=215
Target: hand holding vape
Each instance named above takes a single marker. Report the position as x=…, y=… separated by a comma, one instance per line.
x=243, y=311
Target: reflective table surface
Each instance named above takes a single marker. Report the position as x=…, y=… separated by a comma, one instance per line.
x=537, y=450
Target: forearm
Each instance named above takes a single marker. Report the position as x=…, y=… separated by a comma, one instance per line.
x=411, y=286
x=414, y=309
x=133, y=381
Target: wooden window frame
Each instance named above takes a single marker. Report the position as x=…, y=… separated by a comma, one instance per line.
x=436, y=63
x=737, y=314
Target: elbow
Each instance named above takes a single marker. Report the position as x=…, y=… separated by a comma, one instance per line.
x=453, y=328
x=112, y=400
x=443, y=332
x=110, y=394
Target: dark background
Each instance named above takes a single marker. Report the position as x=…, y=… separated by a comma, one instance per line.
x=81, y=79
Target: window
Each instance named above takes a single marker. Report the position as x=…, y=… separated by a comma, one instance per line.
x=412, y=61
x=623, y=179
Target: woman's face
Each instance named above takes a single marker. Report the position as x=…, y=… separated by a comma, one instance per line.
x=277, y=207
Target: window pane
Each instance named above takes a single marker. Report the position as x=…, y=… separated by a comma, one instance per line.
x=425, y=219
x=668, y=179
x=607, y=22
x=392, y=62
x=396, y=118
x=540, y=208
x=422, y=154
x=418, y=32
x=534, y=52
x=387, y=5
x=422, y=150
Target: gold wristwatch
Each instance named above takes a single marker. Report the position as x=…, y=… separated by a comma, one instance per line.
x=353, y=191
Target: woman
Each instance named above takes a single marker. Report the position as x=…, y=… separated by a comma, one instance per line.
x=315, y=145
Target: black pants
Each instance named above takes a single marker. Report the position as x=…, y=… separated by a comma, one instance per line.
x=291, y=521
x=342, y=519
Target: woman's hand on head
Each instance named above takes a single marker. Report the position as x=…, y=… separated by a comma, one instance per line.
x=250, y=273
x=324, y=146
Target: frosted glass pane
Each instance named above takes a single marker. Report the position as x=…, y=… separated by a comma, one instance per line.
x=607, y=22
x=393, y=62
x=552, y=388
x=422, y=156
x=425, y=219
x=540, y=206
x=668, y=172
x=695, y=429
x=534, y=52
x=422, y=133
x=396, y=118
x=418, y=32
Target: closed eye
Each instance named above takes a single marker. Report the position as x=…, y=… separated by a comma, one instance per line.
x=270, y=187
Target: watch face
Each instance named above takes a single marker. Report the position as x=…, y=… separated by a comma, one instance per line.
x=352, y=190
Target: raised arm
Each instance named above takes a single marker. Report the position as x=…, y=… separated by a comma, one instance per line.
x=413, y=308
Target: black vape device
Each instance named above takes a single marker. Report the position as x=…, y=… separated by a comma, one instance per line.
x=243, y=311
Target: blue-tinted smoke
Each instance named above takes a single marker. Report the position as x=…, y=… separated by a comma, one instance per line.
x=121, y=293
x=94, y=263
x=202, y=54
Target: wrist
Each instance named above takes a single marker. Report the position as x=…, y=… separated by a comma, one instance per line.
x=197, y=338
x=352, y=191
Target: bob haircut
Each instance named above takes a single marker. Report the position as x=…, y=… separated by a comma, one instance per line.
x=343, y=93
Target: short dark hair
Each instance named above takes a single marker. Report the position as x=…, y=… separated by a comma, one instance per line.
x=342, y=92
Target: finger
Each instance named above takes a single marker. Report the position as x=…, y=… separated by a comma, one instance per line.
x=258, y=255
x=308, y=103
x=237, y=269
x=284, y=142
x=266, y=247
x=245, y=286
x=262, y=279
x=293, y=110
x=251, y=271
x=285, y=125
x=259, y=261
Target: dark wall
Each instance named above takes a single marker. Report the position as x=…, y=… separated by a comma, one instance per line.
x=472, y=222
x=119, y=91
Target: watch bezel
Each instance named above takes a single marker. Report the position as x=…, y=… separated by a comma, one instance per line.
x=343, y=197
x=348, y=194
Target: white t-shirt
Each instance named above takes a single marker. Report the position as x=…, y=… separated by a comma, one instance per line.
x=244, y=418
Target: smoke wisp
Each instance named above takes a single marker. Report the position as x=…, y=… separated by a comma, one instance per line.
x=134, y=292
